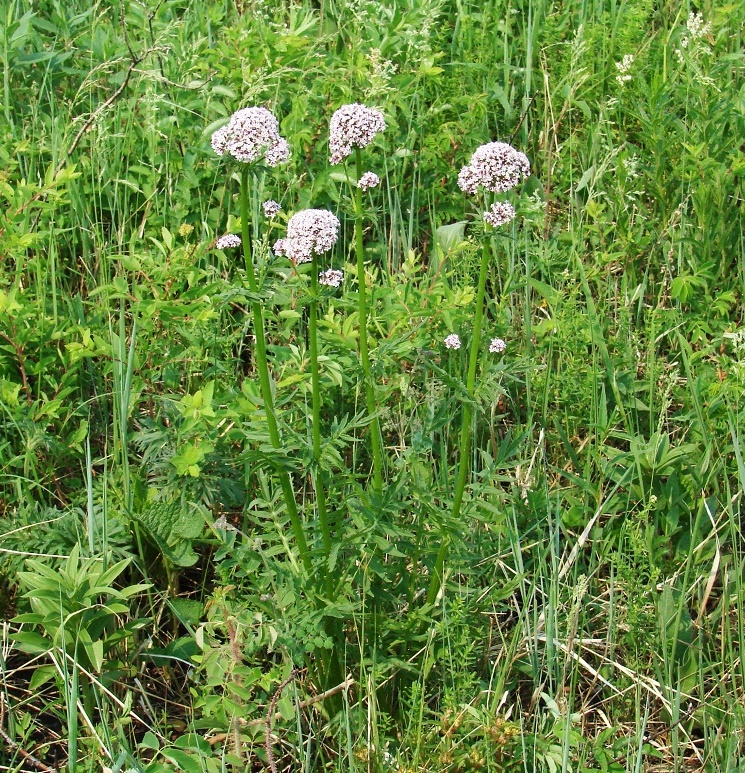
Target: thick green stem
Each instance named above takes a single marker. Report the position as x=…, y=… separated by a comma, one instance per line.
x=377, y=440
x=264, y=380
x=316, y=422
x=464, y=447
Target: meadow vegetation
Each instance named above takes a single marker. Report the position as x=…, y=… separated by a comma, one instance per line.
x=341, y=544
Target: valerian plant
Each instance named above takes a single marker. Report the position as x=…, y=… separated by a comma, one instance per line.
x=359, y=555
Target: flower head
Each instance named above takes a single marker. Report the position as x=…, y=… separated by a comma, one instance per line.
x=623, y=68
x=331, y=278
x=271, y=208
x=697, y=28
x=497, y=346
x=228, y=240
x=353, y=126
x=452, y=341
x=251, y=133
x=308, y=231
x=495, y=166
x=501, y=212
x=368, y=180
x=279, y=153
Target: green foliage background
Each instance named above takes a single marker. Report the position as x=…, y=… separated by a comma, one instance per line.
x=592, y=616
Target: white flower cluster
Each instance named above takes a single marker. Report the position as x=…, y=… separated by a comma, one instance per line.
x=353, y=126
x=271, y=208
x=501, y=212
x=331, y=278
x=308, y=231
x=495, y=166
x=697, y=30
x=228, y=240
x=251, y=133
x=368, y=180
x=623, y=68
x=696, y=26
x=497, y=346
x=452, y=341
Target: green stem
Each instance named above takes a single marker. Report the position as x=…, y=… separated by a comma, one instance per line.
x=465, y=429
x=377, y=440
x=316, y=424
x=264, y=379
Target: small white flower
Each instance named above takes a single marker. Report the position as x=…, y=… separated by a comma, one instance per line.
x=623, y=68
x=310, y=231
x=331, y=278
x=696, y=26
x=228, y=240
x=353, y=126
x=368, y=180
x=279, y=153
x=271, y=208
x=500, y=213
x=452, y=341
x=251, y=133
x=496, y=166
x=497, y=346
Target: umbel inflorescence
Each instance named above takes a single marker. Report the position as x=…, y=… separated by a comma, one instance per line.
x=227, y=241
x=252, y=133
x=271, y=208
x=500, y=213
x=310, y=231
x=353, y=126
x=496, y=167
x=331, y=277
x=367, y=181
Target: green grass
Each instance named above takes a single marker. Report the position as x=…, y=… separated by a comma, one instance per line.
x=590, y=615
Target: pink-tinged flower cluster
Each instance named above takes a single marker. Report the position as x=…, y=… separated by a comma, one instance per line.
x=499, y=213
x=496, y=166
x=497, y=346
x=308, y=231
x=353, y=126
x=271, y=208
x=452, y=341
x=367, y=181
x=252, y=133
x=331, y=278
x=227, y=241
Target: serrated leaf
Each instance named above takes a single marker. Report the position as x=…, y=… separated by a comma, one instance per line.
x=172, y=529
